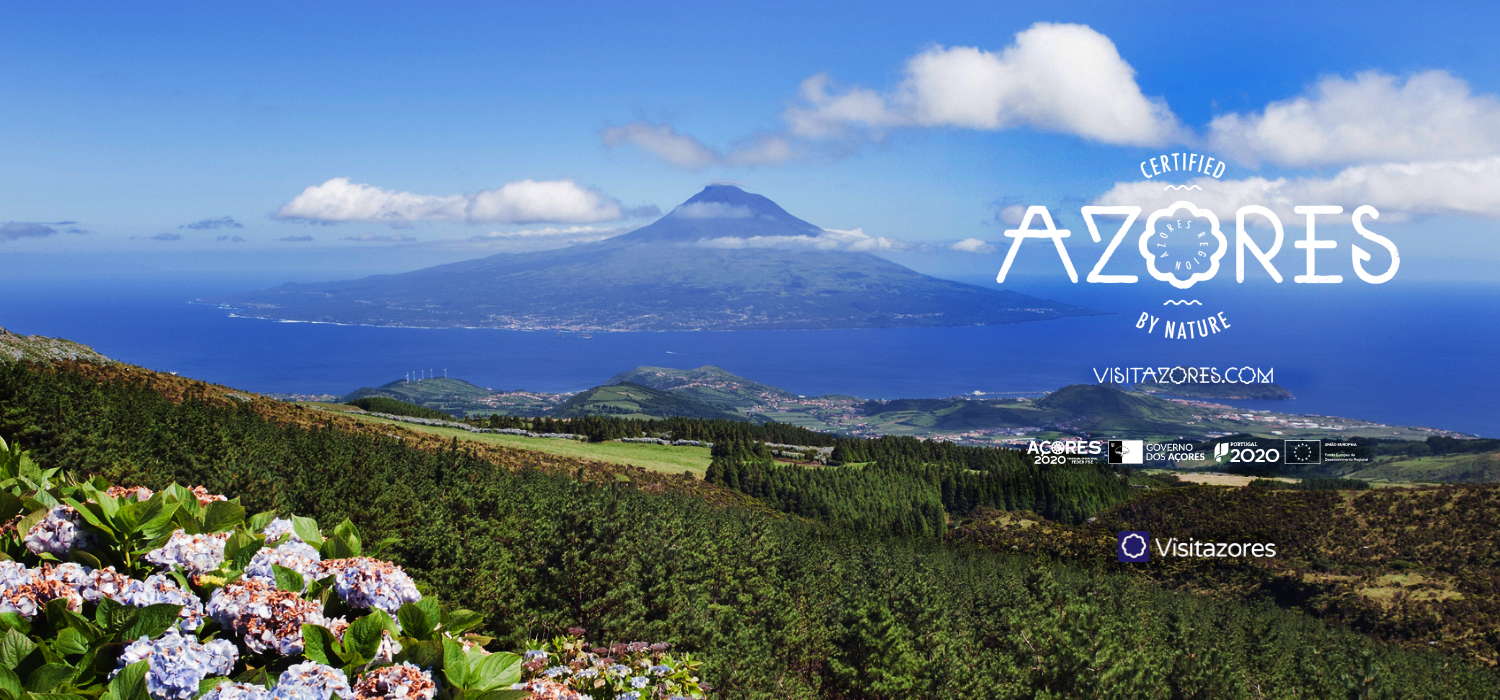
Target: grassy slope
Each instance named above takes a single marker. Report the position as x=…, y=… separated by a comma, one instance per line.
x=656, y=458
x=1478, y=468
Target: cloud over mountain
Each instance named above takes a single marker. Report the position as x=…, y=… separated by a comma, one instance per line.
x=519, y=202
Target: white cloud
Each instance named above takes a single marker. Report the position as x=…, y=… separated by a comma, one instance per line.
x=1375, y=117
x=1013, y=214
x=712, y=210
x=973, y=245
x=533, y=239
x=1397, y=190
x=830, y=239
x=1064, y=78
x=687, y=152
x=519, y=202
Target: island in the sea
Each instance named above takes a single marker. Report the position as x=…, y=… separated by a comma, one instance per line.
x=725, y=259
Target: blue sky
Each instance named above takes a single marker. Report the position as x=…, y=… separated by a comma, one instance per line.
x=137, y=121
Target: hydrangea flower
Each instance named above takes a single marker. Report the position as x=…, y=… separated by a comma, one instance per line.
x=196, y=554
x=204, y=497
x=237, y=691
x=364, y=582
x=177, y=663
x=544, y=689
x=293, y=554
x=387, y=650
x=162, y=589
x=403, y=681
x=311, y=680
x=107, y=583
x=57, y=533
x=139, y=493
x=13, y=573
x=632, y=695
x=639, y=682
x=267, y=619
x=26, y=591
x=280, y=527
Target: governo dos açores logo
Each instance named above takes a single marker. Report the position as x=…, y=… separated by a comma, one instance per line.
x=1183, y=243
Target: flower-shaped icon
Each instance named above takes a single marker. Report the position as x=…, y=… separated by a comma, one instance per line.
x=1152, y=234
x=1126, y=546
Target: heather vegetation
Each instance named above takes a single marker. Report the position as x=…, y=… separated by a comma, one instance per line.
x=770, y=605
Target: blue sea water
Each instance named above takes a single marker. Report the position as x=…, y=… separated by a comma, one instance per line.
x=1405, y=354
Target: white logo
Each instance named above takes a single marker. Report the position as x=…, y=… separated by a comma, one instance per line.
x=1152, y=238
x=1125, y=546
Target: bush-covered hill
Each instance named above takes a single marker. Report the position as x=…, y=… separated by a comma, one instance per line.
x=636, y=401
x=775, y=607
x=1420, y=566
x=385, y=404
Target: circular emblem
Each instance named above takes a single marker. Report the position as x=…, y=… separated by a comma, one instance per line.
x=1183, y=240
x=1125, y=546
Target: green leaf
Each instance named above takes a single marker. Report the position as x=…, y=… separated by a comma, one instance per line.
x=259, y=521
x=460, y=621
x=336, y=547
x=495, y=671
x=246, y=545
x=14, y=647
x=363, y=636
x=350, y=535
x=130, y=683
x=287, y=579
x=93, y=514
x=455, y=664
x=110, y=615
x=47, y=677
x=307, y=530
x=10, y=506
x=427, y=654
x=14, y=621
x=30, y=521
x=10, y=682
x=70, y=641
x=414, y=622
x=506, y=694
x=150, y=621
x=321, y=646
x=210, y=683
x=222, y=515
x=85, y=558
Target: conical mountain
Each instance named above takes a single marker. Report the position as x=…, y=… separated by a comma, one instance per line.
x=724, y=260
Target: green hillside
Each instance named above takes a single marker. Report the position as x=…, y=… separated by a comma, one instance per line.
x=636, y=401
x=1097, y=409
x=828, y=605
x=453, y=396
x=708, y=384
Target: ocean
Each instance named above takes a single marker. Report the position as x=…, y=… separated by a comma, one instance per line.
x=1402, y=353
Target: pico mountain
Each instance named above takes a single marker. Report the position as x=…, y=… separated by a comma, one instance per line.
x=726, y=259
